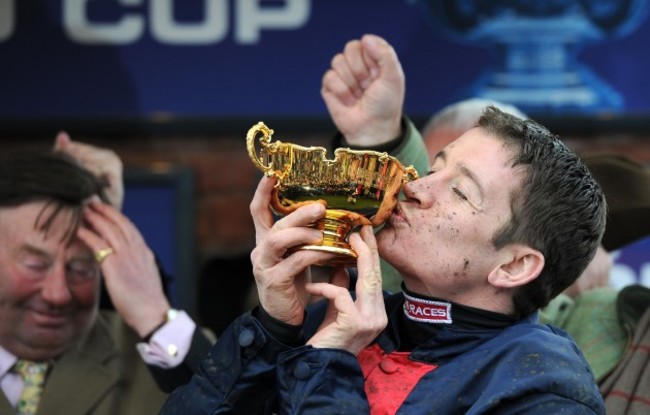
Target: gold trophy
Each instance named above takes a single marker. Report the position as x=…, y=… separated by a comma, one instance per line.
x=356, y=187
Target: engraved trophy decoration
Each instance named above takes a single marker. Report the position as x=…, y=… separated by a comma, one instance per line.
x=535, y=45
x=356, y=187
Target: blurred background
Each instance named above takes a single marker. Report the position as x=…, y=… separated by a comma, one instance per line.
x=174, y=85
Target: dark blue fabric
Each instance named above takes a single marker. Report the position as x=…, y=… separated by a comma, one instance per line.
x=526, y=368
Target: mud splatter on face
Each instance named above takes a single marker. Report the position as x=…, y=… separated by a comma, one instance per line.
x=455, y=231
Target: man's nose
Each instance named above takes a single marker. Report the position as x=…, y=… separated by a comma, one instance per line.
x=55, y=288
x=419, y=191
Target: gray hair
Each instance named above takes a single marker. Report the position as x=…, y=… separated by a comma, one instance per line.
x=463, y=115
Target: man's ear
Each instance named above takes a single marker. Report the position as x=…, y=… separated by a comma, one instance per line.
x=520, y=264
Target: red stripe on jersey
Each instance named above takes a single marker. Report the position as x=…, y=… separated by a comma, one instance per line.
x=390, y=378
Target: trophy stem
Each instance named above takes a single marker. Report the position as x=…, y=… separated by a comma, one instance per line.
x=336, y=227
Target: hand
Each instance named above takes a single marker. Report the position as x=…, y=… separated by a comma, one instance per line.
x=131, y=276
x=352, y=324
x=364, y=91
x=596, y=275
x=105, y=164
x=280, y=278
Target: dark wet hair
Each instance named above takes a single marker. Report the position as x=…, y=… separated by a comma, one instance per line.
x=55, y=178
x=558, y=210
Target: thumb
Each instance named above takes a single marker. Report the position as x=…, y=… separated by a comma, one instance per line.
x=380, y=56
x=61, y=140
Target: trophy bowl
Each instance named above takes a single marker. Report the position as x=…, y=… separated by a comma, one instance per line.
x=356, y=187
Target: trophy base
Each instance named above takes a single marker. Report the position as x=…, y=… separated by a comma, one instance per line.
x=344, y=257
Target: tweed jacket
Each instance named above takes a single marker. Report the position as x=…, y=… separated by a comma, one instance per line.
x=103, y=375
x=627, y=389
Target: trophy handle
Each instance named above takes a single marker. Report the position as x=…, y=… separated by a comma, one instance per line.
x=408, y=173
x=280, y=156
x=265, y=142
x=411, y=174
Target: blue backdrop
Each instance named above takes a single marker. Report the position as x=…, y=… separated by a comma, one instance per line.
x=93, y=59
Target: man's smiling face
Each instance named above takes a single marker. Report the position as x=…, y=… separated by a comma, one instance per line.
x=49, y=285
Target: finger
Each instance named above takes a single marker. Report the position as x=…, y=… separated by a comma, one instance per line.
x=303, y=216
x=120, y=233
x=355, y=62
x=369, y=284
x=381, y=57
x=292, y=231
x=368, y=236
x=340, y=296
x=260, y=209
x=75, y=149
x=372, y=52
x=340, y=305
x=92, y=240
x=85, y=156
x=61, y=141
x=369, y=258
x=297, y=262
x=344, y=73
x=285, y=280
x=275, y=247
x=334, y=88
x=335, y=92
x=118, y=219
x=104, y=230
x=369, y=291
x=330, y=311
x=91, y=157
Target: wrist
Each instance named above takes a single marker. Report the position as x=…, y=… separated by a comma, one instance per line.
x=170, y=344
x=169, y=315
x=377, y=137
x=383, y=145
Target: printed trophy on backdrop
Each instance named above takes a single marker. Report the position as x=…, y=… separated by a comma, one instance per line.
x=356, y=187
x=535, y=45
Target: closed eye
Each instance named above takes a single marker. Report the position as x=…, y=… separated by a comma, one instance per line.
x=36, y=263
x=464, y=198
x=460, y=194
x=80, y=270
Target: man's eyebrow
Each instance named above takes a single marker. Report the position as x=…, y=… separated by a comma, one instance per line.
x=33, y=250
x=464, y=171
x=474, y=178
x=440, y=155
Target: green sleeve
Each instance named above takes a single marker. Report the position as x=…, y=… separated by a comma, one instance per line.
x=411, y=150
